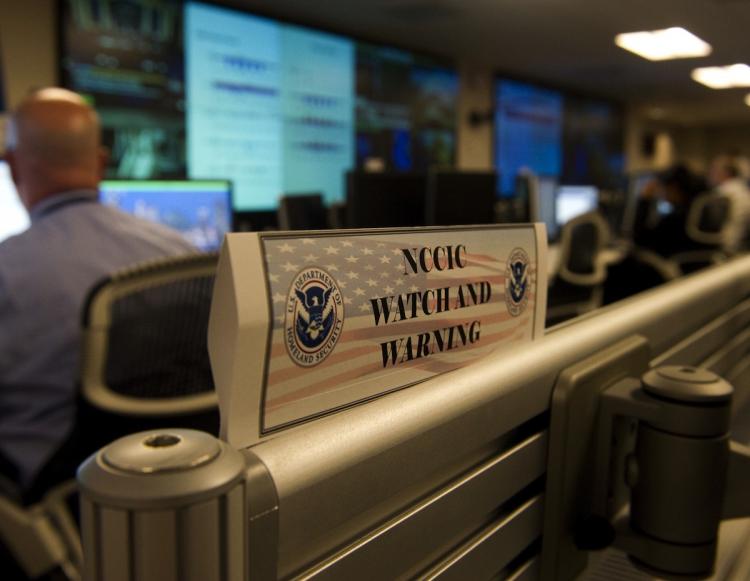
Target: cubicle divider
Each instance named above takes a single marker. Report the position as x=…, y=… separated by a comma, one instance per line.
x=445, y=479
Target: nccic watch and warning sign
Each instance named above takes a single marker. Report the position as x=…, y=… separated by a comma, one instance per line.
x=305, y=324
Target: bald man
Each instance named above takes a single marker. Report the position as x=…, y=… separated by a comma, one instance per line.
x=56, y=161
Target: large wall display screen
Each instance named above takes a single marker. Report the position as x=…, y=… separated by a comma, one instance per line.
x=593, y=143
x=575, y=140
x=206, y=92
x=405, y=109
x=270, y=106
x=126, y=58
x=528, y=131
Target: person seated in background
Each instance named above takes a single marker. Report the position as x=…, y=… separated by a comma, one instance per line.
x=662, y=212
x=727, y=180
x=56, y=161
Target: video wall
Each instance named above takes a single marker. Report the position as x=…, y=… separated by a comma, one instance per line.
x=573, y=139
x=197, y=90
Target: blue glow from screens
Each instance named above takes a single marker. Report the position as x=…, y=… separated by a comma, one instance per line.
x=572, y=201
x=528, y=131
x=13, y=216
x=271, y=106
x=201, y=212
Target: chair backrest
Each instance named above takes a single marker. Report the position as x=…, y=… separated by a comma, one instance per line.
x=708, y=219
x=582, y=239
x=144, y=347
x=302, y=212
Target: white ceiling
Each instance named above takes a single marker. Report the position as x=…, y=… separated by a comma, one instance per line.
x=563, y=42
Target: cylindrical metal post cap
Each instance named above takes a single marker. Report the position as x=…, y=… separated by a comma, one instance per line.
x=165, y=450
x=687, y=384
x=160, y=468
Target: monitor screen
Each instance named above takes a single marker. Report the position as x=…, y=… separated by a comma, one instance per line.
x=405, y=109
x=271, y=106
x=200, y=210
x=593, y=143
x=126, y=59
x=383, y=200
x=460, y=197
x=547, y=192
x=572, y=201
x=528, y=131
x=13, y=216
x=636, y=183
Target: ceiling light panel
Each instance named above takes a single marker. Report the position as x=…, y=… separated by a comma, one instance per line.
x=728, y=77
x=662, y=45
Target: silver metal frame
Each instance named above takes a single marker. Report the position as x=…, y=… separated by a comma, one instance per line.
x=444, y=479
x=338, y=476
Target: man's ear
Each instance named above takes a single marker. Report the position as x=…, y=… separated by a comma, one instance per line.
x=103, y=161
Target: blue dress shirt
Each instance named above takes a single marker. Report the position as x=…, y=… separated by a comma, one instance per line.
x=45, y=275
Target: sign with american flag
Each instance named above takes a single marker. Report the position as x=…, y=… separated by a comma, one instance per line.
x=304, y=325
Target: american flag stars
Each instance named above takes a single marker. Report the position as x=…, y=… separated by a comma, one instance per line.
x=363, y=268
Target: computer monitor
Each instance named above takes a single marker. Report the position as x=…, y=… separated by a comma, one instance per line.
x=460, y=197
x=380, y=200
x=547, y=190
x=200, y=209
x=302, y=212
x=572, y=201
x=636, y=182
x=13, y=216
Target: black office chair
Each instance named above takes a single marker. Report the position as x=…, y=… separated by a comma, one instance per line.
x=706, y=225
x=302, y=212
x=144, y=365
x=144, y=360
x=577, y=288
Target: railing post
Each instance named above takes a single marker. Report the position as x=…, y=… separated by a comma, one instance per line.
x=167, y=505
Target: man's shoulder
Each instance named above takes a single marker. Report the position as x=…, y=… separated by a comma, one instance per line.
x=132, y=227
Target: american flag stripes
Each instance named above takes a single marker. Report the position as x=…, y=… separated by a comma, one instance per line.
x=399, y=326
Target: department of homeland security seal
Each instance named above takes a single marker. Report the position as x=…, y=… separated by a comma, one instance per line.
x=314, y=317
x=517, y=281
